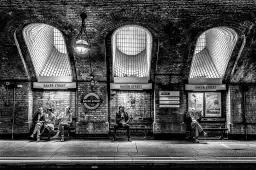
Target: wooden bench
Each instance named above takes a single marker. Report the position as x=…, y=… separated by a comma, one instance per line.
x=71, y=131
x=142, y=124
x=222, y=129
x=145, y=129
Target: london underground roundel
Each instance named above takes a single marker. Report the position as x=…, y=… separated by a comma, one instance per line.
x=91, y=101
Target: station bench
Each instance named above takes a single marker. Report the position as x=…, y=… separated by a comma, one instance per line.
x=146, y=130
x=70, y=131
x=223, y=131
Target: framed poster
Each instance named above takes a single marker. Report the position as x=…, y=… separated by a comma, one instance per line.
x=196, y=102
x=212, y=104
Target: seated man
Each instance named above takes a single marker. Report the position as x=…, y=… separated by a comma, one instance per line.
x=192, y=123
x=38, y=121
x=65, y=120
x=49, y=123
x=122, y=119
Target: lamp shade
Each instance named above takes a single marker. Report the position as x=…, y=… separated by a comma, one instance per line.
x=81, y=46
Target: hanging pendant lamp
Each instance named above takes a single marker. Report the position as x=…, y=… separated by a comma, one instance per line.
x=82, y=44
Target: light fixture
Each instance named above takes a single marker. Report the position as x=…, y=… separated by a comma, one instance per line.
x=82, y=44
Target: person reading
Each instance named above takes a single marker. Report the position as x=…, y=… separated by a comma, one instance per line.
x=192, y=123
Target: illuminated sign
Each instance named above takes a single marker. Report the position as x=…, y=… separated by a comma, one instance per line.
x=130, y=86
x=205, y=87
x=169, y=93
x=91, y=101
x=170, y=106
x=169, y=98
x=37, y=85
x=168, y=102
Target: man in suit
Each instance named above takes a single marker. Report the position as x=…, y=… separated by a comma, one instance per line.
x=122, y=120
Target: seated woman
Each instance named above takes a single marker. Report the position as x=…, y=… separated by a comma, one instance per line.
x=65, y=120
x=49, y=123
x=38, y=121
x=192, y=123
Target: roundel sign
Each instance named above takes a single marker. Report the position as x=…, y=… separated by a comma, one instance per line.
x=91, y=101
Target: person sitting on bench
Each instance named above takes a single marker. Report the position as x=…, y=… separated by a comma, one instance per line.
x=192, y=123
x=122, y=120
x=49, y=123
x=65, y=120
x=38, y=121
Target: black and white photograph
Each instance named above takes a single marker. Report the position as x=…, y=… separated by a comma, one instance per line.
x=128, y=84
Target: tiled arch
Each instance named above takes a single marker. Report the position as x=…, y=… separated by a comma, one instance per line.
x=131, y=53
x=212, y=53
x=48, y=52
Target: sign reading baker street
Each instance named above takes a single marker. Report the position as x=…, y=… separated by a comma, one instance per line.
x=130, y=86
x=205, y=87
x=91, y=101
x=37, y=85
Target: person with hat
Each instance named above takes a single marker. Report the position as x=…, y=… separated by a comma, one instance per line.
x=65, y=121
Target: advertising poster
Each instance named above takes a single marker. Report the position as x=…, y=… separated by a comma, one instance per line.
x=196, y=102
x=213, y=104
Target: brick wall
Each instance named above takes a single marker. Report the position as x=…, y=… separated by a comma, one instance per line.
x=20, y=105
x=250, y=107
x=169, y=120
x=57, y=100
x=12, y=67
x=176, y=24
x=239, y=112
x=92, y=121
x=236, y=110
x=137, y=104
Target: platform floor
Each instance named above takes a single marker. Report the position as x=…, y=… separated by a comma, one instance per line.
x=96, y=153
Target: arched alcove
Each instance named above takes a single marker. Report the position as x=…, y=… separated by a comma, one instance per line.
x=212, y=53
x=131, y=54
x=48, y=52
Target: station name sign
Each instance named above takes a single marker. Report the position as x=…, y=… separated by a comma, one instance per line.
x=91, y=101
x=37, y=85
x=130, y=86
x=205, y=87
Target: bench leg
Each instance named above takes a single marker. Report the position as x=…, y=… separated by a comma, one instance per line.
x=145, y=134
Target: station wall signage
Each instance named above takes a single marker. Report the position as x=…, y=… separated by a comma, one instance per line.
x=130, y=86
x=37, y=85
x=169, y=106
x=205, y=87
x=169, y=99
x=91, y=101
